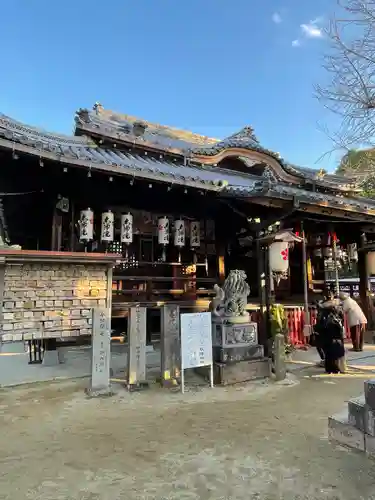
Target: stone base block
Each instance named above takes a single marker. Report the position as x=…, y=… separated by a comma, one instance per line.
x=232, y=334
x=356, y=413
x=341, y=432
x=370, y=393
x=139, y=386
x=236, y=354
x=369, y=421
x=242, y=371
x=370, y=446
x=51, y=358
x=99, y=393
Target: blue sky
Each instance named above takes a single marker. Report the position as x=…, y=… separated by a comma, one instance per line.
x=211, y=66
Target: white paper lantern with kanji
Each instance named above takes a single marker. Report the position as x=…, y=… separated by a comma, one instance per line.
x=179, y=233
x=86, y=225
x=195, y=234
x=371, y=263
x=163, y=231
x=279, y=256
x=107, y=229
x=126, y=228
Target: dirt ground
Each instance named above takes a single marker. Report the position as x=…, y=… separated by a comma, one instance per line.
x=261, y=441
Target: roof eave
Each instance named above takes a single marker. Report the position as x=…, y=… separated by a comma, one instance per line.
x=112, y=169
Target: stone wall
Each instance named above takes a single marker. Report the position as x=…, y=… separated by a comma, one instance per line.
x=51, y=300
x=354, y=427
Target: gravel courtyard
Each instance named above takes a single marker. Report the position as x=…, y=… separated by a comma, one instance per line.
x=262, y=441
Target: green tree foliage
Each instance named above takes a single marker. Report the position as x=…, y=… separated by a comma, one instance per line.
x=360, y=163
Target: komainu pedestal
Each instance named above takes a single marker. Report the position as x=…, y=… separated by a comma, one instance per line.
x=237, y=355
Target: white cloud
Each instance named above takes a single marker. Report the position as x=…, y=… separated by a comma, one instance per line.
x=311, y=30
x=276, y=18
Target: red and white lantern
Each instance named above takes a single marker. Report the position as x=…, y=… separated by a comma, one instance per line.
x=279, y=257
x=86, y=225
x=195, y=234
x=107, y=229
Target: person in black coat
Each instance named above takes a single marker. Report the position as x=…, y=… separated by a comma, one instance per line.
x=330, y=330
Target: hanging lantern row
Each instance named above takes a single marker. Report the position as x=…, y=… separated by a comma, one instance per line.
x=324, y=250
x=86, y=229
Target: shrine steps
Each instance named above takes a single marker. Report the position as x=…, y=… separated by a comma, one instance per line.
x=354, y=427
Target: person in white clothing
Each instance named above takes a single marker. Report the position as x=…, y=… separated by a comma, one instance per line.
x=356, y=320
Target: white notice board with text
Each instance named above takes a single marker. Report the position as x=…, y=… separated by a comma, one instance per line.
x=196, y=343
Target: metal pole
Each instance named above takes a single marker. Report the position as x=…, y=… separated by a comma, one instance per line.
x=307, y=324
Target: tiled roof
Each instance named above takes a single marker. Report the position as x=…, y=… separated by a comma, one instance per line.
x=80, y=151
x=278, y=190
x=117, y=125
x=120, y=126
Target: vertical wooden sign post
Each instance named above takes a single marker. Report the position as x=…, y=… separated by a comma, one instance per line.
x=100, y=354
x=137, y=348
x=170, y=345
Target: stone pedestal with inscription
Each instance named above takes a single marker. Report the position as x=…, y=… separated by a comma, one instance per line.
x=236, y=353
x=136, y=379
x=100, y=354
x=170, y=345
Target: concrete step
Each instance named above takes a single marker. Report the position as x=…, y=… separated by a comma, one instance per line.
x=341, y=432
x=361, y=416
x=356, y=412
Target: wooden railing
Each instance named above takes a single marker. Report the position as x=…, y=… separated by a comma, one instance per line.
x=151, y=290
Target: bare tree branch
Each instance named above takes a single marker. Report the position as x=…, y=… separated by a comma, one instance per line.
x=350, y=64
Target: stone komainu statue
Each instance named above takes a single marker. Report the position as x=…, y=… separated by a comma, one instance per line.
x=231, y=300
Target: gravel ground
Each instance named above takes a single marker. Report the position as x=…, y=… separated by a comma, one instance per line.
x=263, y=441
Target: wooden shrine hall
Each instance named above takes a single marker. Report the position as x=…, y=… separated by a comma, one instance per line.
x=178, y=209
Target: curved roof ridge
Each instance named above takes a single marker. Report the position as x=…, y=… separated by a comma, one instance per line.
x=17, y=127
x=173, y=132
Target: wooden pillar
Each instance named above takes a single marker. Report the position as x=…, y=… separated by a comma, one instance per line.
x=262, y=293
x=56, y=240
x=307, y=327
x=364, y=284
x=220, y=245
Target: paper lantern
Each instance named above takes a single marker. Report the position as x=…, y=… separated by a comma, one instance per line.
x=108, y=220
x=86, y=225
x=195, y=234
x=279, y=257
x=352, y=252
x=126, y=228
x=328, y=252
x=371, y=263
x=163, y=231
x=179, y=233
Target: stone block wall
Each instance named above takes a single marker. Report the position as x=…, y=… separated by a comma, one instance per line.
x=354, y=427
x=51, y=300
